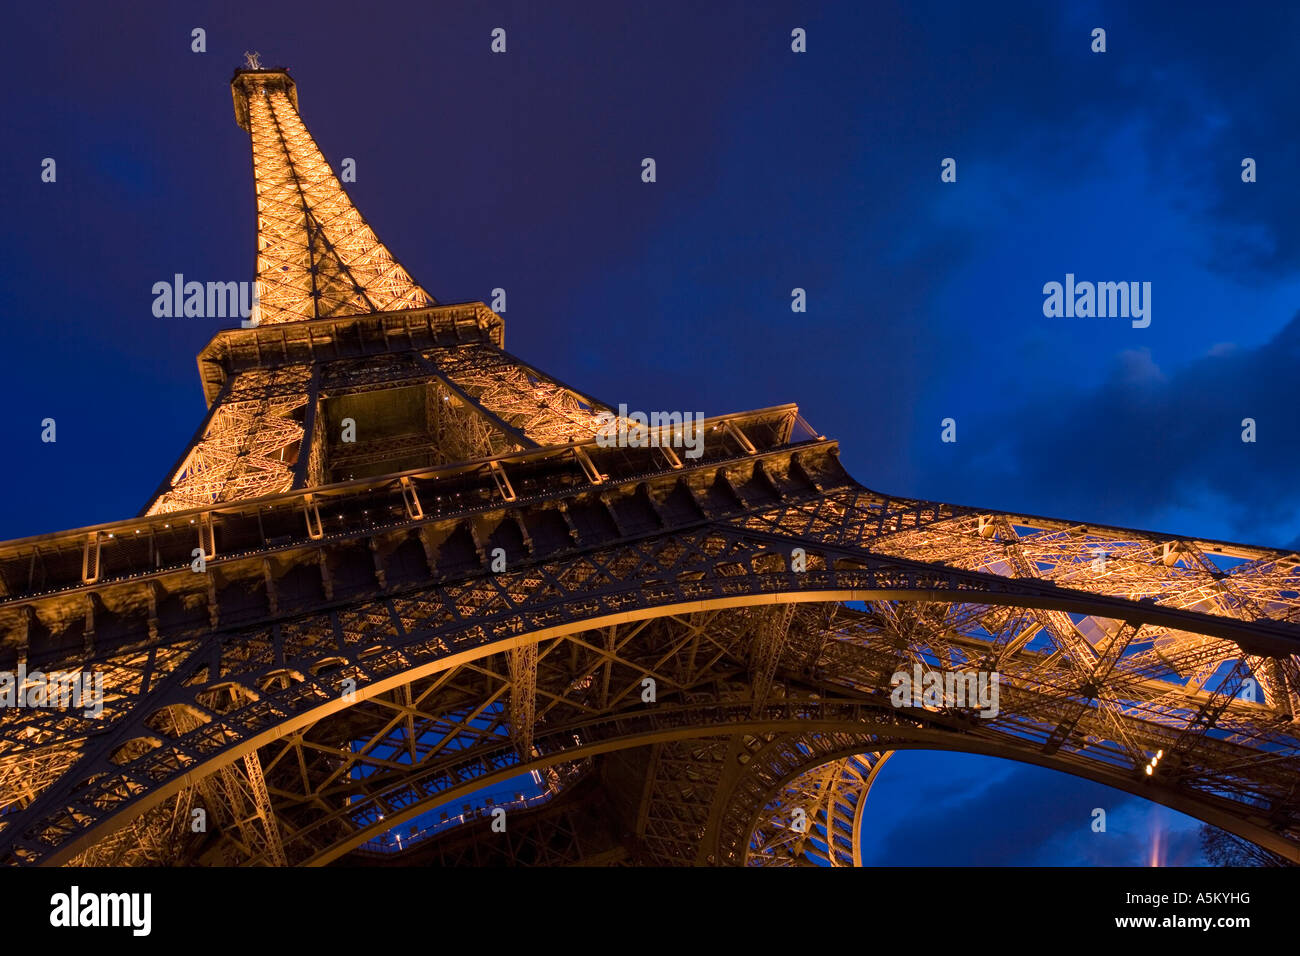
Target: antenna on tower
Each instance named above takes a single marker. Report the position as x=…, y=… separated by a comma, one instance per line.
x=253, y=61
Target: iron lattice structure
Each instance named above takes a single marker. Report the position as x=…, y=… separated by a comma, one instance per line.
x=347, y=659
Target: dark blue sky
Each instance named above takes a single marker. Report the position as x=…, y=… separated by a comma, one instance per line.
x=775, y=170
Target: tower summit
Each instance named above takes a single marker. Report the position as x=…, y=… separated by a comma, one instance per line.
x=316, y=256
x=329, y=289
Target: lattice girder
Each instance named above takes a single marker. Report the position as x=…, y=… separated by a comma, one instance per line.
x=317, y=257
x=1036, y=693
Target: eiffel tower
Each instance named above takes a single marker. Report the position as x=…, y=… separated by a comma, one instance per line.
x=397, y=570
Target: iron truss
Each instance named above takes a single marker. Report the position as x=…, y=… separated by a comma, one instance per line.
x=693, y=654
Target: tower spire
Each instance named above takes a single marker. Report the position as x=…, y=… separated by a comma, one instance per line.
x=316, y=256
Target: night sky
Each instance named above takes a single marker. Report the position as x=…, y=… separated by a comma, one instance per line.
x=775, y=170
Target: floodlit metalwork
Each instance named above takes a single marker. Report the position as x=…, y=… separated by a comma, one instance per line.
x=316, y=256
x=694, y=656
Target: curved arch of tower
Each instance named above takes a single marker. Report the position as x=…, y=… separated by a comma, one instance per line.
x=317, y=633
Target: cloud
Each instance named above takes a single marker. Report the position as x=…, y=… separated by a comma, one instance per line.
x=1150, y=442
